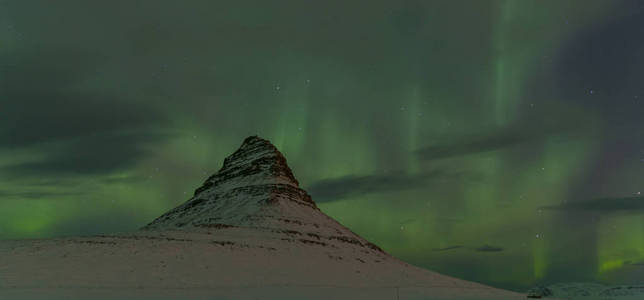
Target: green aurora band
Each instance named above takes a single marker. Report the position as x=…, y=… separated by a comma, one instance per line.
x=346, y=93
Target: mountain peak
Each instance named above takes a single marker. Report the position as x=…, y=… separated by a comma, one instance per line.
x=257, y=161
x=254, y=184
x=254, y=139
x=259, y=154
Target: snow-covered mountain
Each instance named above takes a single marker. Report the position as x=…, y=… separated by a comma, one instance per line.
x=255, y=189
x=249, y=232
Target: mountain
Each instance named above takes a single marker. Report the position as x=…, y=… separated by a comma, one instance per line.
x=255, y=189
x=249, y=232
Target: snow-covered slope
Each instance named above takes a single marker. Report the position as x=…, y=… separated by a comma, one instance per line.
x=589, y=291
x=249, y=232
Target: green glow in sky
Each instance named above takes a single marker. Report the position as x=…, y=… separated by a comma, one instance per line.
x=461, y=136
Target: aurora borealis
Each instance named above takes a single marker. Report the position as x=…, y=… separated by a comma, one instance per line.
x=496, y=141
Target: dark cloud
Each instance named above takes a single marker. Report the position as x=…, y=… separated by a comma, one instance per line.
x=41, y=100
x=477, y=145
x=30, y=119
x=447, y=248
x=79, y=131
x=89, y=155
x=491, y=141
x=39, y=182
x=632, y=204
x=339, y=188
x=488, y=248
x=32, y=194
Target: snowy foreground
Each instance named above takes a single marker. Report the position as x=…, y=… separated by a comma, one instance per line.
x=231, y=263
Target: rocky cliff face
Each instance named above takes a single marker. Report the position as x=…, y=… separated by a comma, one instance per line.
x=257, y=162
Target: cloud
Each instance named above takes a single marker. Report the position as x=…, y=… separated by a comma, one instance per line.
x=474, y=146
x=602, y=205
x=5, y=194
x=328, y=190
x=78, y=130
x=488, y=248
x=42, y=101
x=89, y=156
x=447, y=248
x=492, y=141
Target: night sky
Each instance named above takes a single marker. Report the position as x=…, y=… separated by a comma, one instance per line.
x=496, y=141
